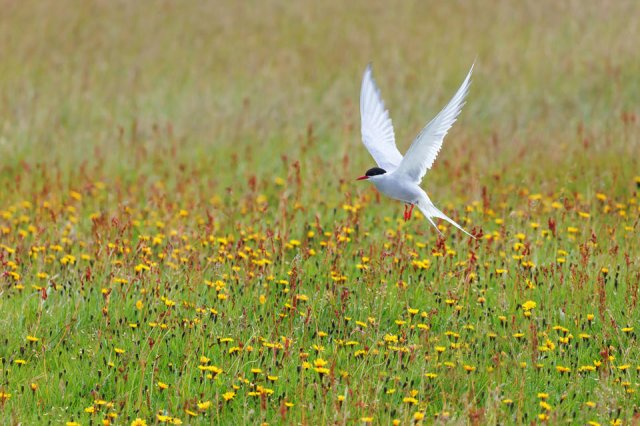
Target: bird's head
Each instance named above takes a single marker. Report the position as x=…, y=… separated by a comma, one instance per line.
x=373, y=174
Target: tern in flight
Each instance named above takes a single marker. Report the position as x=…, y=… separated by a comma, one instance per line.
x=396, y=176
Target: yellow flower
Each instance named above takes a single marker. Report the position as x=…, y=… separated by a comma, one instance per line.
x=227, y=396
x=142, y=267
x=139, y=422
x=202, y=406
x=320, y=362
x=322, y=370
x=529, y=305
x=163, y=419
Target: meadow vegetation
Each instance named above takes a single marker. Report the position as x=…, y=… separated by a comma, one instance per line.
x=182, y=240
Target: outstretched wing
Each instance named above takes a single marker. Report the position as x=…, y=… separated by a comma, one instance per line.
x=376, y=127
x=424, y=149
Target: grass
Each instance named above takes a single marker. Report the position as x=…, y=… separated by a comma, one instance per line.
x=182, y=240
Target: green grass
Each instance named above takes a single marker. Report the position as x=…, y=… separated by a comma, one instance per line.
x=197, y=162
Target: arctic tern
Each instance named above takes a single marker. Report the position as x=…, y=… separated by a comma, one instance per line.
x=396, y=176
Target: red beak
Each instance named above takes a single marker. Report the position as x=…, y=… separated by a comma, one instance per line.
x=363, y=177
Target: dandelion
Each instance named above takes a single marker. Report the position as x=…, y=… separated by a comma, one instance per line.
x=203, y=406
x=139, y=422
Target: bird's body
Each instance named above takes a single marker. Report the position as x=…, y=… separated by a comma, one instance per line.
x=399, y=177
x=396, y=187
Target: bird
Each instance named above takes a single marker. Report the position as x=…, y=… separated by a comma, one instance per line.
x=396, y=176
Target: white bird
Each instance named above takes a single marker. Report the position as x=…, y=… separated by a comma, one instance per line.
x=399, y=177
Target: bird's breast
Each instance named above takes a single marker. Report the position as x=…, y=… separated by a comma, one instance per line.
x=399, y=189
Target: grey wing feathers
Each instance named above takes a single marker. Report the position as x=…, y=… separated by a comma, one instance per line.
x=425, y=148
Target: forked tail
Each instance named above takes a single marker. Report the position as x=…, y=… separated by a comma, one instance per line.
x=429, y=210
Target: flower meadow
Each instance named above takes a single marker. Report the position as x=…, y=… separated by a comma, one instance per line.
x=177, y=255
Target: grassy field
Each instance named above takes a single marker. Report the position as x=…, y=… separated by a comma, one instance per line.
x=182, y=240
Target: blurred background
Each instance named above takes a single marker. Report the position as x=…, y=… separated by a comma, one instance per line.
x=228, y=88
